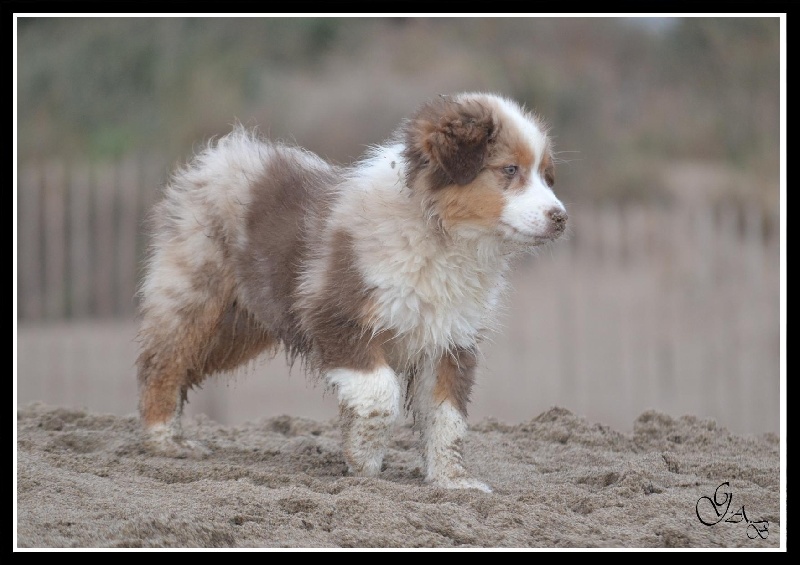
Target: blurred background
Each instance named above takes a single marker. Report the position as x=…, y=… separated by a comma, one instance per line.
x=664, y=294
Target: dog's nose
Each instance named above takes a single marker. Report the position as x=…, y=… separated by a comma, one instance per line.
x=559, y=218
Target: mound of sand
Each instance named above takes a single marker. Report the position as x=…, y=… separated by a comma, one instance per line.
x=85, y=481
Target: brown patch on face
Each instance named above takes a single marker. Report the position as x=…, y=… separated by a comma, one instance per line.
x=455, y=377
x=512, y=148
x=278, y=242
x=446, y=142
x=480, y=203
x=519, y=151
x=340, y=316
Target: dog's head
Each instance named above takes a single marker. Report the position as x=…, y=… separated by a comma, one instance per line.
x=484, y=165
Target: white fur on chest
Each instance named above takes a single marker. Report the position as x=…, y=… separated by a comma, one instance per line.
x=432, y=291
x=432, y=299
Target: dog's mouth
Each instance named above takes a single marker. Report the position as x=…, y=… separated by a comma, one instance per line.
x=532, y=238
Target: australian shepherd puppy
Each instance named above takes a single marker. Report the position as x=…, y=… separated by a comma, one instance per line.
x=382, y=277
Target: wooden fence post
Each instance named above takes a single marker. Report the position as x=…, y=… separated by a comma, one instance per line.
x=55, y=240
x=104, y=242
x=29, y=252
x=80, y=241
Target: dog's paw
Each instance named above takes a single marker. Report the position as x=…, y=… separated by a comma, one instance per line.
x=177, y=447
x=161, y=442
x=462, y=483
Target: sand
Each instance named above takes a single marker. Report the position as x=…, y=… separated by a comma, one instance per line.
x=83, y=480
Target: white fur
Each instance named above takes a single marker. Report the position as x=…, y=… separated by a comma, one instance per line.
x=375, y=398
x=444, y=431
x=433, y=294
x=524, y=217
x=230, y=166
x=522, y=121
x=367, y=392
x=525, y=214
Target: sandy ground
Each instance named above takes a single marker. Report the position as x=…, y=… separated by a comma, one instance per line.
x=83, y=480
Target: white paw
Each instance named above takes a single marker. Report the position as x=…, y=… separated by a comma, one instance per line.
x=175, y=446
x=370, y=469
x=461, y=482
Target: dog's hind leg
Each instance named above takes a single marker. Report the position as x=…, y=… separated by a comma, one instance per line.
x=169, y=364
x=181, y=345
x=185, y=296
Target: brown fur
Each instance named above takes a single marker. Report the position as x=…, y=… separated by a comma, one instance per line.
x=172, y=359
x=455, y=376
x=208, y=330
x=175, y=344
x=268, y=267
x=447, y=142
x=447, y=145
x=216, y=332
x=450, y=146
x=510, y=149
x=337, y=320
x=480, y=202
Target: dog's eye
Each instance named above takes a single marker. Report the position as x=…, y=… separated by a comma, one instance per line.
x=510, y=170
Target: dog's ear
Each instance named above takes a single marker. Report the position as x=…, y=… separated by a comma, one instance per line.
x=450, y=139
x=460, y=141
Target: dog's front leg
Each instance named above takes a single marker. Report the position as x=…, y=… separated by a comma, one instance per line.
x=369, y=405
x=440, y=402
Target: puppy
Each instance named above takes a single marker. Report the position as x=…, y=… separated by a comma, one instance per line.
x=381, y=277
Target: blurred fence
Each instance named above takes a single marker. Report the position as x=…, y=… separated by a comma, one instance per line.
x=80, y=237
x=669, y=308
